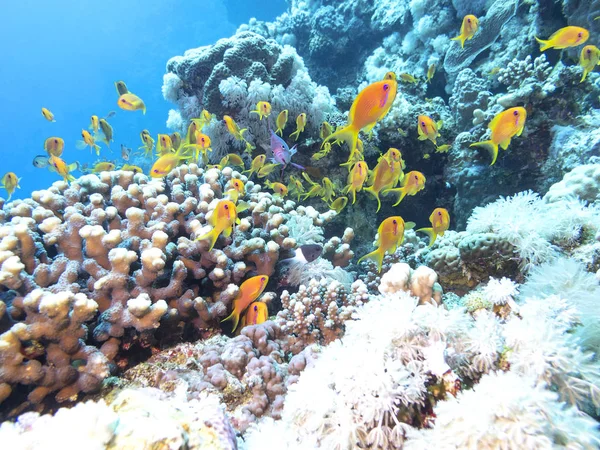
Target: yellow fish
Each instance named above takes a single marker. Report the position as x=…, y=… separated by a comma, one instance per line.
x=469, y=27
x=249, y=291
x=428, y=129
x=167, y=162
x=383, y=177
x=237, y=189
x=328, y=191
x=390, y=76
x=370, y=105
x=47, y=115
x=300, y=124
x=103, y=167
x=148, y=142
x=94, y=124
x=132, y=168
x=440, y=221
x=412, y=183
x=588, y=59
x=121, y=87
x=257, y=164
x=107, y=131
x=564, y=38
x=408, y=78
x=54, y=146
x=165, y=144
x=279, y=189
x=89, y=141
x=175, y=140
x=339, y=204
x=356, y=179
x=282, y=119
x=390, y=236
x=295, y=187
x=60, y=167
x=430, y=73
x=442, y=148
x=256, y=314
x=504, y=126
x=222, y=220
x=231, y=159
x=10, y=182
x=267, y=170
x=131, y=102
x=263, y=109
x=234, y=129
x=325, y=130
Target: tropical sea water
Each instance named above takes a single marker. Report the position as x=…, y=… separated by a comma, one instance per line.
x=66, y=55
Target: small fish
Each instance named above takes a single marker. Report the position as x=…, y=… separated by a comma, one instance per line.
x=267, y=170
x=167, y=162
x=175, y=140
x=413, y=182
x=295, y=187
x=304, y=254
x=430, y=73
x=279, y=189
x=383, y=177
x=231, y=159
x=222, y=220
x=234, y=129
x=564, y=38
x=339, y=204
x=356, y=179
x=279, y=151
x=131, y=168
x=504, y=126
x=370, y=105
x=426, y=156
x=469, y=27
x=94, y=124
x=121, y=87
x=440, y=221
x=300, y=124
x=493, y=71
x=54, y=146
x=47, y=115
x=103, y=166
x=110, y=114
x=40, y=161
x=257, y=313
x=88, y=140
x=165, y=144
x=125, y=152
x=10, y=182
x=148, y=142
x=428, y=129
x=282, y=119
x=107, y=131
x=402, y=133
x=390, y=76
x=328, y=191
x=202, y=145
x=263, y=109
x=61, y=167
x=443, y=148
x=131, y=102
x=390, y=236
x=237, y=190
x=256, y=164
x=325, y=130
x=588, y=60
x=249, y=291
x=408, y=78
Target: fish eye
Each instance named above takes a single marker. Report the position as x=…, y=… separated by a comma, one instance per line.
x=416, y=177
x=226, y=207
x=395, y=222
x=56, y=165
x=386, y=87
x=255, y=308
x=439, y=213
x=423, y=124
x=469, y=20
x=589, y=51
x=579, y=35
x=263, y=279
x=155, y=170
x=516, y=113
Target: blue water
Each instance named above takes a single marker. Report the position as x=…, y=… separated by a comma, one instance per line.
x=66, y=55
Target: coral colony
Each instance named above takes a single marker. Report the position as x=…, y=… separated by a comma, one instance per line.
x=208, y=294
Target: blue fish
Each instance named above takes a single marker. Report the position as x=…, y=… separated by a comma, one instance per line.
x=281, y=153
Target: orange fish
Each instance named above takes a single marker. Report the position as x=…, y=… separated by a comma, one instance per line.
x=370, y=105
x=164, y=145
x=469, y=27
x=390, y=236
x=54, y=146
x=356, y=179
x=250, y=290
x=440, y=221
x=564, y=38
x=223, y=219
x=256, y=314
x=383, y=177
x=167, y=162
x=278, y=188
x=413, y=182
x=10, y=182
x=263, y=109
x=504, y=126
x=61, y=167
x=428, y=129
x=88, y=140
x=237, y=189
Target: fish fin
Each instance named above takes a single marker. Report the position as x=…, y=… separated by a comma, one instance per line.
x=348, y=134
x=212, y=236
x=461, y=39
x=242, y=206
x=371, y=191
x=80, y=145
x=235, y=319
x=439, y=124
x=585, y=72
x=401, y=192
x=544, y=45
x=375, y=256
x=505, y=143
x=520, y=131
x=490, y=146
x=432, y=235
x=409, y=225
x=227, y=231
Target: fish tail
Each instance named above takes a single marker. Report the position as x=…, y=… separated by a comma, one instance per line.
x=432, y=234
x=461, y=39
x=401, y=192
x=234, y=317
x=375, y=256
x=544, y=45
x=585, y=72
x=212, y=236
x=490, y=146
x=348, y=134
x=375, y=194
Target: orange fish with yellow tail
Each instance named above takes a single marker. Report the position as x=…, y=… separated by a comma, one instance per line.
x=257, y=313
x=504, y=126
x=390, y=236
x=223, y=219
x=412, y=183
x=356, y=179
x=370, y=106
x=250, y=290
x=564, y=38
x=440, y=222
x=469, y=27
